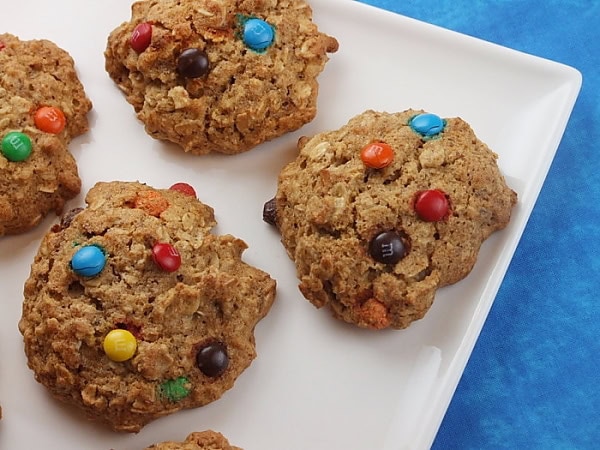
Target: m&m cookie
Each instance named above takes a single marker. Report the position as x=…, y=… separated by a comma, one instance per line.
x=199, y=440
x=134, y=310
x=384, y=211
x=44, y=106
x=219, y=76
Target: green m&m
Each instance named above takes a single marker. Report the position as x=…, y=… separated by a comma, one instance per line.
x=16, y=146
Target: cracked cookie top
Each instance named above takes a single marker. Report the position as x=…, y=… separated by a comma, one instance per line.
x=199, y=440
x=219, y=75
x=134, y=309
x=382, y=212
x=42, y=107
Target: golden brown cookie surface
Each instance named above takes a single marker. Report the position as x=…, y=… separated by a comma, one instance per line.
x=219, y=75
x=43, y=106
x=200, y=440
x=134, y=310
x=382, y=212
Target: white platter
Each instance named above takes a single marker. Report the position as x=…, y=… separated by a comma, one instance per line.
x=317, y=384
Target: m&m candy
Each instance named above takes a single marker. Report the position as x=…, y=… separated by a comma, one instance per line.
x=192, y=63
x=152, y=202
x=50, y=119
x=184, y=188
x=166, y=257
x=431, y=205
x=141, y=37
x=212, y=359
x=427, y=125
x=16, y=146
x=388, y=247
x=270, y=212
x=119, y=345
x=377, y=155
x=258, y=34
x=176, y=389
x=88, y=261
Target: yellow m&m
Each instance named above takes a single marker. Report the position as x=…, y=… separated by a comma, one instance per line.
x=120, y=345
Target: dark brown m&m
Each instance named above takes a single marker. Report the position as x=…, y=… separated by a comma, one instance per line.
x=67, y=218
x=270, y=212
x=192, y=63
x=388, y=247
x=212, y=359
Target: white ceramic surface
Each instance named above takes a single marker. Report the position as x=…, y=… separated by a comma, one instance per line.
x=317, y=384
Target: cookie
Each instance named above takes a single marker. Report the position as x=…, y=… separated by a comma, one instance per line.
x=43, y=106
x=204, y=440
x=384, y=211
x=134, y=310
x=219, y=75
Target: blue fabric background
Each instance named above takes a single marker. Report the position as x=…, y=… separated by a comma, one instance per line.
x=533, y=379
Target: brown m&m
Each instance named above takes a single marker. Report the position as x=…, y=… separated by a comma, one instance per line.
x=212, y=359
x=388, y=247
x=270, y=212
x=192, y=63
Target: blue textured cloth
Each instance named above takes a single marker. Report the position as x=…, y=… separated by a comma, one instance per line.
x=533, y=379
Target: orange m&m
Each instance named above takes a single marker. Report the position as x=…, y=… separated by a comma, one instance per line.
x=377, y=155
x=50, y=119
x=151, y=202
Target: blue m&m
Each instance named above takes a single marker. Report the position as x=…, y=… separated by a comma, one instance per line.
x=427, y=124
x=88, y=261
x=258, y=34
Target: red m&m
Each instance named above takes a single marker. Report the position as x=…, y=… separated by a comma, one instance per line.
x=166, y=257
x=184, y=188
x=432, y=205
x=141, y=37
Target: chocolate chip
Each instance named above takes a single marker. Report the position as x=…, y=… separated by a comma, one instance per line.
x=192, y=63
x=212, y=359
x=270, y=212
x=66, y=219
x=388, y=247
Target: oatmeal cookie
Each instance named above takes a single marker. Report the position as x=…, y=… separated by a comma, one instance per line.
x=384, y=211
x=133, y=310
x=42, y=107
x=219, y=75
x=204, y=440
